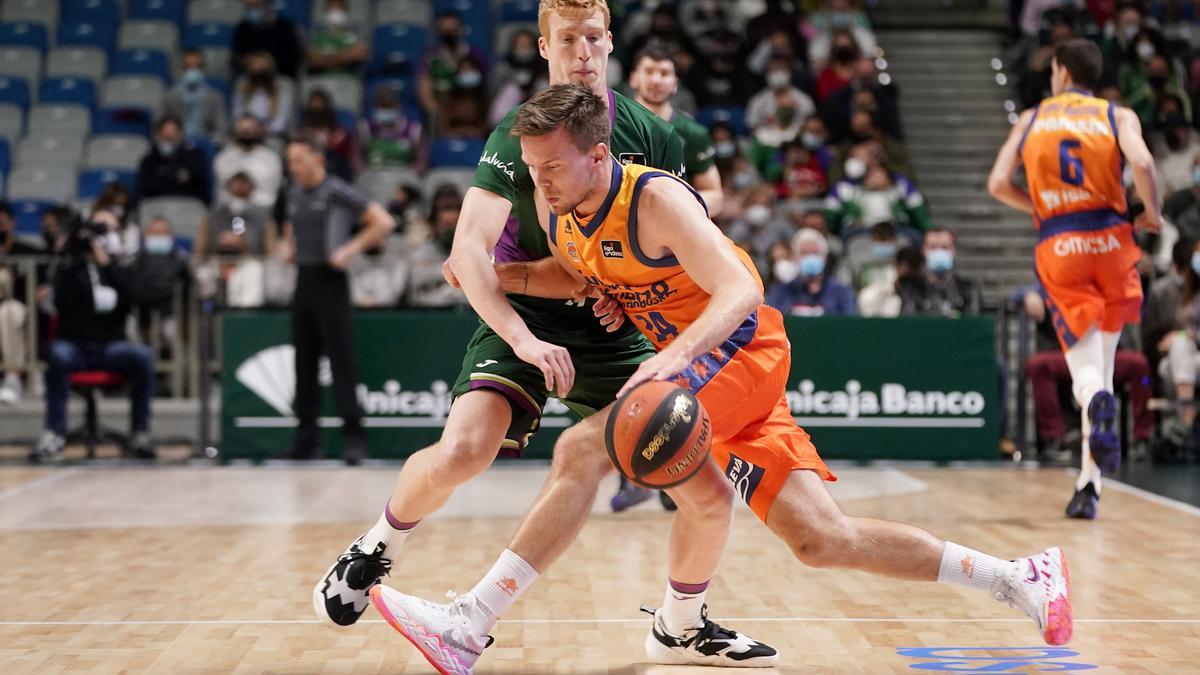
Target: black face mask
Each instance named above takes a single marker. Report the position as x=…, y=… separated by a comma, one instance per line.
x=1174, y=140
x=248, y=142
x=844, y=54
x=50, y=240
x=1157, y=81
x=451, y=40
x=261, y=78
x=3, y=237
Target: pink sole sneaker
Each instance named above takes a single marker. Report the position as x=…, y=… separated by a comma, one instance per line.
x=1059, y=621
x=430, y=646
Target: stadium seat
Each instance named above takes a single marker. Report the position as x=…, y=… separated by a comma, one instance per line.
x=504, y=33
x=142, y=62
x=88, y=34
x=455, y=152
x=397, y=49
x=115, y=152
x=160, y=35
x=12, y=122
x=5, y=157
x=15, y=91
x=21, y=62
x=734, y=116
x=184, y=213
x=92, y=182
x=156, y=10
x=133, y=91
x=57, y=118
x=91, y=11
x=45, y=150
x=413, y=12
x=296, y=10
x=227, y=12
x=461, y=179
x=23, y=34
x=90, y=63
x=346, y=90
x=44, y=12
x=203, y=35
x=123, y=120
x=56, y=185
x=380, y=184
x=519, y=10
x=68, y=90
x=28, y=214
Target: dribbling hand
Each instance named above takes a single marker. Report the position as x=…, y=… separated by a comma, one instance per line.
x=554, y=362
x=662, y=366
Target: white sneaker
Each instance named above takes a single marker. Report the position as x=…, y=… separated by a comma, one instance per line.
x=10, y=391
x=707, y=645
x=442, y=633
x=1041, y=587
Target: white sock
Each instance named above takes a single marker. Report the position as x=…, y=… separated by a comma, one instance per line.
x=970, y=568
x=502, y=585
x=681, y=606
x=390, y=532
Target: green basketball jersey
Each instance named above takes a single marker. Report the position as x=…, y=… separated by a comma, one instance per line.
x=698, y=151
x=638, y=136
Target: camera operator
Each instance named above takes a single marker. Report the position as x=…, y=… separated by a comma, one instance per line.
x=93, y=296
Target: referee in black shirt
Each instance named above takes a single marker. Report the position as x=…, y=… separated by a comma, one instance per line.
x=322, y=211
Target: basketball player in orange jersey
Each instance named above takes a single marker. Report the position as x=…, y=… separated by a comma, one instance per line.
x=1073, y=146
x=642, y=238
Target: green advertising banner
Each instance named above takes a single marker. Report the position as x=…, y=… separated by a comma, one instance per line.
x=864, y=388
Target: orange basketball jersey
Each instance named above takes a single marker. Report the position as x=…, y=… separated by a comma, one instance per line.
x=656, y=294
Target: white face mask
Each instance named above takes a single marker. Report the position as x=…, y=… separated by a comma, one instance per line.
x=337, y=18
x=159, y=244
x=112, y=242
x=1145, y=51
x=855, y=168
x=757, y=214
x=786, y=270
x=237, y=205
x=777, y=79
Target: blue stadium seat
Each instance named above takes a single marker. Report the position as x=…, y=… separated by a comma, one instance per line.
x=157, y=10
x=16, y=91
x=92, y=181
x=296, y=10
x=89, y=34
x=122, y=120
x=71, y=90
x=222, y=85
x=734, y=116
x=397, y=49
x=142, y=62
x=91, y=11
x=347, y=120
x=523, y=11
x=455, y=152
x=5, y=158
x=28, y=214
x=201, y=35
x=23, y=34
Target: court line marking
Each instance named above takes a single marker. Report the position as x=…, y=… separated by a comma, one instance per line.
x=1150, y=496
x=21, y=488
x=775, y=619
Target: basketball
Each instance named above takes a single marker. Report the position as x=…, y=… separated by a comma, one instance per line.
x=658, y=435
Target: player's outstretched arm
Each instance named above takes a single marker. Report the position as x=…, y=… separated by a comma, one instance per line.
x=480, y=224
x=1145, y=178
x=1000, y=181
x=543, y=278
x=671, y=222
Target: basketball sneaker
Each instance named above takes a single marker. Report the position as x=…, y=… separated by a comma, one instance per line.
x=442, y=633
x=629, y=496
x=1104, y=441
x=1041, y=587
x=707, y=645
x=341, y=595
x=1083, y=504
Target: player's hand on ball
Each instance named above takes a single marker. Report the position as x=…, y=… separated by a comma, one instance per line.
x=610, y=313
x=554, y=362
x=662, y=366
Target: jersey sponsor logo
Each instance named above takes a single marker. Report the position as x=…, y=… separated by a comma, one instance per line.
x=706, y=154
x=1081, y=245
x=744, y=476
x=1056, y=198
x=572, y=251
x=632, y=158
x=505, y=168
x=611, y=249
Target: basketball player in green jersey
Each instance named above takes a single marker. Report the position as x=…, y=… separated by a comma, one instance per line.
x=526, y=347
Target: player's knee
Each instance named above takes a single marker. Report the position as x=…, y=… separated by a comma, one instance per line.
x=708, y=496
x=824, y=544
x=579, y=455
x=461, y=457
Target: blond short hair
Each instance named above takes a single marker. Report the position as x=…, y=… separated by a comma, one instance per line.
x=568, y=7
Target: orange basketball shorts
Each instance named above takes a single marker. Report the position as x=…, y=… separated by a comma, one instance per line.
x=1091, y=279
x=742, y=385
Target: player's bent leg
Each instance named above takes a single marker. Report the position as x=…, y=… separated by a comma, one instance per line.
x=475, y=429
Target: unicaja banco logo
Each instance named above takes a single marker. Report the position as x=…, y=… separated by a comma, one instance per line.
x=893, y=404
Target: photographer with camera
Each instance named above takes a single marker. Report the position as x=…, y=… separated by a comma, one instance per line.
x=93, y=296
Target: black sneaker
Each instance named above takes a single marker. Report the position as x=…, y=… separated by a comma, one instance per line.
x=341, y=595
x=354, y=449
x=1083, y=504
x=1104, y=442
x=48, y=449
x=141, y=447
x=708, y=645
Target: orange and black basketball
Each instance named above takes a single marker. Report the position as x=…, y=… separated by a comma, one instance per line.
x=658, y=435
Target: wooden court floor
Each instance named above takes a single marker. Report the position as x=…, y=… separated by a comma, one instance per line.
x=198, y=570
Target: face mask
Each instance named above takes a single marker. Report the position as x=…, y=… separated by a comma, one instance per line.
x=386, y=115
x=785, y=270
x=247, y=142
x=118, y=211
x=237, y=205
x=812, y=265
x=167, y=148
x=1174, y=140
x=812, y=141
x=261, y=78
x=939, y=260
x=883, y=250
x=193, y=77
x=337, y=18
x=843, y=54
x=778, y=79
x=742, y=180
x=256, y=16
x=469, y=79
x=3, y=237
x=725, y=149
x=159, y=244
x=450, y=40
x=757, y=214
x=1196, y=262
x=1157, y=81
x=855, y=168
x=1145, y=50
x=112, y=242
x=1196, y=176
x=1130, y=32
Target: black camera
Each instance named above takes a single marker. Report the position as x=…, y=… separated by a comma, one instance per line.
x=80, y=235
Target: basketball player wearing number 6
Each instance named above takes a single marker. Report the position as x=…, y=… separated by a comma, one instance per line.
x=1074, y=146
x=643, y=238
